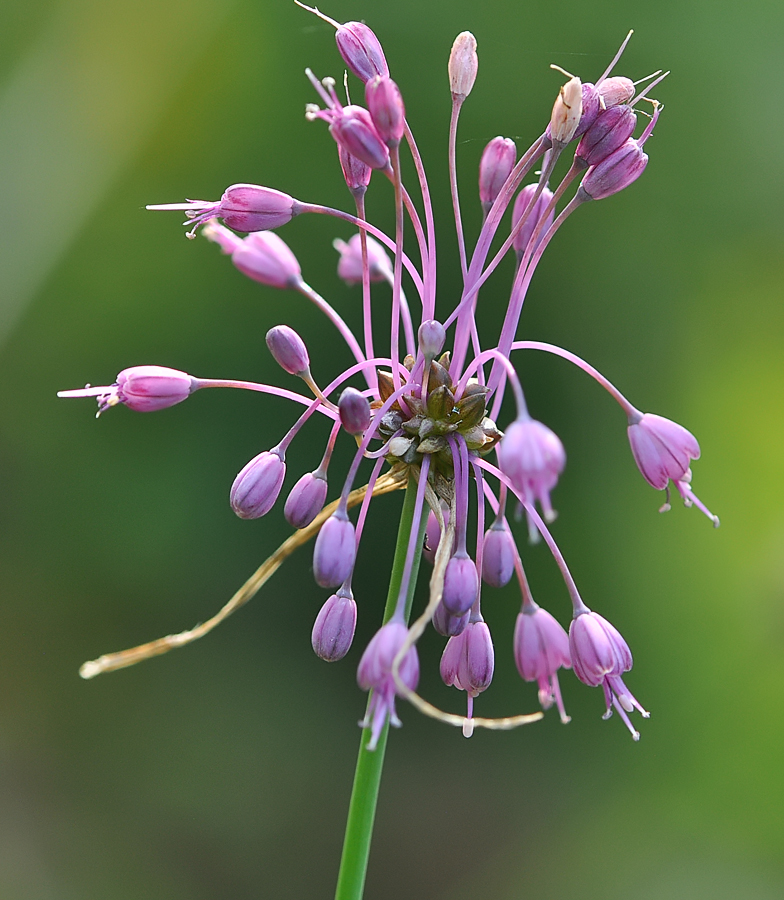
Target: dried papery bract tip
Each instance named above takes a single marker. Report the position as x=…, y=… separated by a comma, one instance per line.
x=567, y=110
x=463, y=65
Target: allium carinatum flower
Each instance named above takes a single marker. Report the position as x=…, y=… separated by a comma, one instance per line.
x=424, y=409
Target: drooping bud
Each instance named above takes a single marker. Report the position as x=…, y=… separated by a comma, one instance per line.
x=354, y=130
x=447, y=624
x=495, y=166
x=615, y=91
x=463, y=65
x=609, y=132
x=615, y=172
x=468, y=660
x=498, y=555
x=600, y=656
x=306, y=499
x=541, y=647
x=333, y=630
x=262, y=255
x=361, y=50
x=567, y=112
x=335, y=551
x=354, y=411
x=257, y=486
x=386, y=108
x=524, y=235
x=431, y=336
x=461, y=584
x=141, y=388
x=289, y=350
x=356, y=173
x=375, y=673
x=350, y=262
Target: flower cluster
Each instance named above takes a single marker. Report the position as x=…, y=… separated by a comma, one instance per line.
x=426, y=413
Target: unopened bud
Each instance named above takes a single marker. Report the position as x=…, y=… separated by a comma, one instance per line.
x=350, y=262
x=498, y=160
x=524, y=235
x=262, y=255
x=333, y=630
x=461, y=584
x=463, y=65
x=335, y=551
x=354, y=411
x=257, y=486
x=356, y=173
x=432, y=336
x=288, y=349
x=609, y=132
x=448, y=624
x=615, y=91
x=613, y=174
x=361, y=50
x=567, y=111
x=498, y=555
x=306, y=500
x=354, y=130
x=386, y=108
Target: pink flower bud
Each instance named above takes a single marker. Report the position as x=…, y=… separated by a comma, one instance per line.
x=141, y=388
x=262, y=256
x=498, y=160
x=257, y=486
x=468, y=660
x=361, y=50
x=498, y=555
x=615, y=91
x=525, y=234
x=532, y=457
x=614, y=173
x=335, y=551
x=541, y=647
x=333, y=630
x=354, y=130
x=431, y=336
x=591, y=107
x=250, y=207
x=447, y=624
x=375, y=673
x=350, y=262
x=306, y=500
x=463, y=65
x=567, y=112
x=356, y=173
x=288, y=349
x=354, y=411
x=461, y=584
x=609, y=132
x=386, y=108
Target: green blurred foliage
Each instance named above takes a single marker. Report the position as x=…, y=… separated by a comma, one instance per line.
x=223, y=770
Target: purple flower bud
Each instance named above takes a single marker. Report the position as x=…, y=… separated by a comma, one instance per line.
x=534, y=217
x=532, y=457
x=350, y=262
x=288, y=349
x=306, y=500
x=463, y=65
x=447, y=624
x=354, y=130
x=541, y=647
x=354, y=411
x=433, y=533
x=498, y=160
x=431, y=337
x=262, y=256
x=615, y=172
x=141, y=388
x=461, y=584
x=250, y=207
x=356, y=173
x=468, y=660
x=591, y=107
x=600, y=656
x=335, y=551
x=567, y=112
x=333, y=630
x=609, y=132
x=375, y=673
x=498, y=555
x=361, y=50
x=386, y=108
x=257, y=486
x=615, y=91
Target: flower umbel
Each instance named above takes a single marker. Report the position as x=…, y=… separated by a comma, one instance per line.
x=418, y=415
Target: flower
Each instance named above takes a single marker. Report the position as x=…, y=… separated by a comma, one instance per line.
x=429, y=414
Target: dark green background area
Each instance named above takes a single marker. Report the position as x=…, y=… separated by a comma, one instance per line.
x=223, y=770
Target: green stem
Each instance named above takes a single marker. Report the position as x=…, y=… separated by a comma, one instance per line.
x=367, y=778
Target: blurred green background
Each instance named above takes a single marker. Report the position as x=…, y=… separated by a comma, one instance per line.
x=223, y=770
